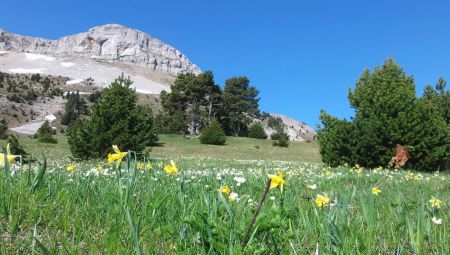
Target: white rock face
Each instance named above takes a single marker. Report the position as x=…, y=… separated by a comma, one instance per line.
x=109, y=43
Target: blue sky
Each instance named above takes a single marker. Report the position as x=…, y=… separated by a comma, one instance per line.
x=303, y=56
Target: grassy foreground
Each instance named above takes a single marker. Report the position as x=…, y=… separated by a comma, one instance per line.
x=95, y=209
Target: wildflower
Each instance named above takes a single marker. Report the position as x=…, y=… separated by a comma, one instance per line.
x=436, y=221
x=435, y=202
x=322, y=200
x=117, y=156
x=149, y=166
x=272, y=198
x=239, y=180
x=277, y=180
x=313, y=187
x=9, y=157
x=140, y=166
x=225, y=190
x=233, y=197
x=375, y=191
x=171, y=169
x=71, y=167
x=99, y=168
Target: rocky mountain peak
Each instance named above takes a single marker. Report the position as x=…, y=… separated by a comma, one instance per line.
x=112, y=43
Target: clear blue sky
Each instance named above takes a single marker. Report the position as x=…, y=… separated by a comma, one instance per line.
x=303, y=56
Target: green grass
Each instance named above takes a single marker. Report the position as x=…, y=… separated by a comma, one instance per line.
x=236, y=148
x=99, y=210
x=104, y=212
x=175, y=146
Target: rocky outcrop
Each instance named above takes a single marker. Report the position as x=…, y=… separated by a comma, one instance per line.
x=297, y=130
x=109, y=43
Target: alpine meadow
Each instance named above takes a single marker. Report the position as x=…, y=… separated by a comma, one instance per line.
x=114, y=142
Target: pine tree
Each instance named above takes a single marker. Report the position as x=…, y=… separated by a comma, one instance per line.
x=241, y=103
x=116, y=120
x=45, y=134
x=387, y=114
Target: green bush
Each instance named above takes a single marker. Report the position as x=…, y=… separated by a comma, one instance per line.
x=3, y=129
x=256, y=130
x=45, y=134
x=115, y=120
x=15, y=147
x=280, y=138
x=213, y=134
x=282, y=142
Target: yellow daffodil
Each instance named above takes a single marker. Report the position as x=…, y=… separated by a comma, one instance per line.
x=140, y=166
x=225, y=190
x=149, y=166
x=71, y=167
x=375, y=191
x=9, y=157
x=322, y=200
x=117, y=156
x=171, y=169
x=435, y=202
x=277, y=180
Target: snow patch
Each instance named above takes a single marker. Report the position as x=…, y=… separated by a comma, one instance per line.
x=143, y=91
x=81, y=93
x=29, y=128
x=3, y=52
x=27, y=70
x=67, y=64
x=50, y=117
x=32, y=56
x=76, y=81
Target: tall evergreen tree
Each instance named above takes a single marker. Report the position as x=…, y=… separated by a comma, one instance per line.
x=387, y=113
x=116, y=120
x=241, y=103
x=196, y=96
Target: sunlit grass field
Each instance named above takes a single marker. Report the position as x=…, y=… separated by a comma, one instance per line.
x=92, y=207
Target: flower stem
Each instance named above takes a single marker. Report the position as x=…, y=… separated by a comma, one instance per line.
x=252, y=222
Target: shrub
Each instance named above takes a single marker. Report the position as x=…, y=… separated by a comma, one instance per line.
x=280, y=138
x=15, y=147
x=256, y=130
x=45, y=134
x=213, y=134
x=282, y=142
x=3, y=129
x=115, y=120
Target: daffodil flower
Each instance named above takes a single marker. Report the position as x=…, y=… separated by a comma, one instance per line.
x=140, y=166
x=117, y=156
x=9, y=157
x=322, y=200
x=435, y=202
x=225, y=190
x=277, y=180
x=171, y=169
x=71, y=167
x=375, y=191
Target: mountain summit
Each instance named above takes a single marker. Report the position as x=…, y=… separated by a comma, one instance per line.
x=110, y=43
